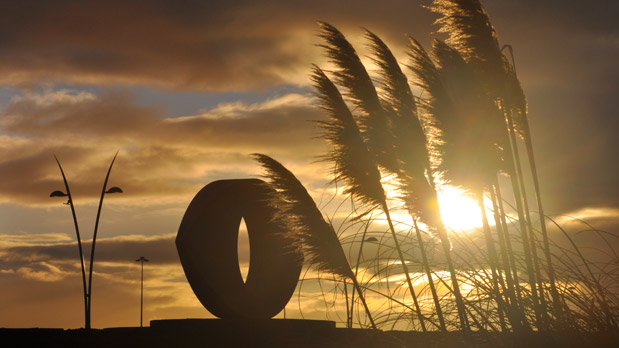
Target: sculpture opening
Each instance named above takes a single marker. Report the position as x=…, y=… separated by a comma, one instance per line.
x=243, y=250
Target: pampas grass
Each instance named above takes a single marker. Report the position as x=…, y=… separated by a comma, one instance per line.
x=306, y=227
x=461, y=130
x=353, y=162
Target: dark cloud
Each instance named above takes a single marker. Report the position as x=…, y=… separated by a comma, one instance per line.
x=121, y=249
x=236, y=45
x=114, y=117
x=208, y=45
x=565, y=55
x=39, y=255
x=158, y=156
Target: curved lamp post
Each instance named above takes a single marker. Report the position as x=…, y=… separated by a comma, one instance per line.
x=77, y=232
x=115, y=189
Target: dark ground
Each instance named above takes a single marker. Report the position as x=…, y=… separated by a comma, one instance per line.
x=284, y=333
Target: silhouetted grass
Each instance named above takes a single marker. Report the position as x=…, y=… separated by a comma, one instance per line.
x=385, y=142
x=588, y=289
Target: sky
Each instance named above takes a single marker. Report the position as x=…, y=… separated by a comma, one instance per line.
x=185, y=91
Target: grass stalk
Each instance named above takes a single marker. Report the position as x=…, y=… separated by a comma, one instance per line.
x=446, y=245
x=492, y=257
x=551, y=272
x=508, y=244
x=426, y=266
x=514, y=307
x=385, y=209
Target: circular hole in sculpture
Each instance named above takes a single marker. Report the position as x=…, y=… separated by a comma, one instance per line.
x=243, y=250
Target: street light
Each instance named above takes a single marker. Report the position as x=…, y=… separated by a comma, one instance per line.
x=94, y=235
x=114, y=189
x=57, y=193
x=79, y=239
x=142, y=259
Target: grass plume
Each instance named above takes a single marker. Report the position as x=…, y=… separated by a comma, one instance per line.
x=306, y=226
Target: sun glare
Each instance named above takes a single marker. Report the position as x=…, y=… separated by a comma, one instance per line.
x=459, y=212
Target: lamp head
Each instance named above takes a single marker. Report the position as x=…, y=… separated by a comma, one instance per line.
x=114, y=189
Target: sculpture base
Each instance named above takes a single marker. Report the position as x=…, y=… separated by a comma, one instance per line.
x=243, y=324
x=247, y=332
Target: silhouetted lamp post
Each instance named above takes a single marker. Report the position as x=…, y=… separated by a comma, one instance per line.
x=367, y=240
x=142, y=259
x=57, y=193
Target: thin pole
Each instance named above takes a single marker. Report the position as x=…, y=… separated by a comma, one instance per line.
x=352, y=296
x=142, y=293
x=142, y=259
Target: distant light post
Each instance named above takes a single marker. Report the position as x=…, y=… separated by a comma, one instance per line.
x=142, y=259
x=57, y=193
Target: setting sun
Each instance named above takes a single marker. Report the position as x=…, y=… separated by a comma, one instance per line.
x=458, y=211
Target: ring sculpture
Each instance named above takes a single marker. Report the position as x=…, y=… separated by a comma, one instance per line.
x=207, y=246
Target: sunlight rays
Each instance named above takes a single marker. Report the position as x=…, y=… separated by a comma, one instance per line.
x=459, y=212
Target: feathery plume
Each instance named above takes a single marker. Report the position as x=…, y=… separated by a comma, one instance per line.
x=353, y=163
x=472, y=34
x=408, y=136
x=306, y=226
x=410, y=150
x=465, y=121
x=351, y=75
x=518, y=106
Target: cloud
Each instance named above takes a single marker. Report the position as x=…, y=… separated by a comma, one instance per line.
x=158, y=156
x=561, y=51
x=207, y=45
x=32, y=302
x=111, y=253
x=69, y=115
x=42, y=271
x=204, y=45
x=54, y=272
x=235, y=45
x=212, y=46
x=53, y=269
x=34, y=238
x=274, y=123
x=121, y=249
